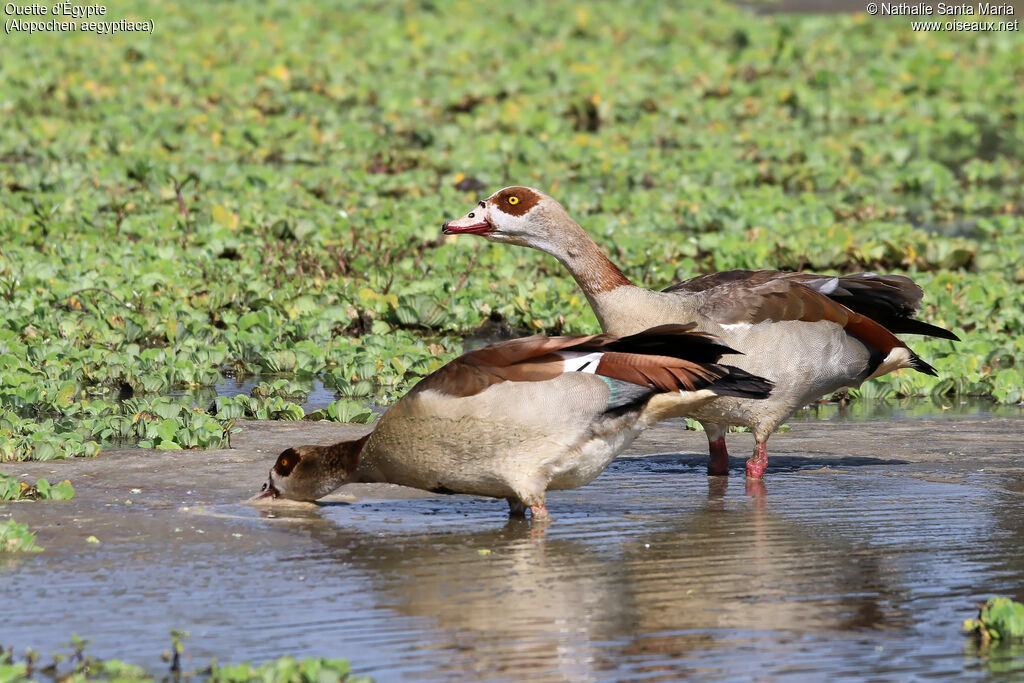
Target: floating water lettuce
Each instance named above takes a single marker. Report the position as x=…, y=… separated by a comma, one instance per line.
x=343, y=410
x=79, y=665
x=12, y=488
x=281, y=215
x=999, y=619
x=16, y=538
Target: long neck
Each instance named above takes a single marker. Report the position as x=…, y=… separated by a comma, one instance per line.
x=592, y=270
x=340, y=460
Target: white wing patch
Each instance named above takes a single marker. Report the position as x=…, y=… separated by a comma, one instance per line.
x=829, y=286
x=577, y=361
x=735, y=326
x=898, y=358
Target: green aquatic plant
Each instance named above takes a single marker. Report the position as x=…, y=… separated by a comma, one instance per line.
x=257, y=408
x=16, y=538
x=287, y=670
x=283, y=388
x=163, y=423
x=12, y=488
x=79, y=666
x=288, y=225
x=999, y=619
x=343, y=410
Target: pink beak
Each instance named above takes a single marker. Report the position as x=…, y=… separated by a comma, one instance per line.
x=268, y=491
x=473, y=223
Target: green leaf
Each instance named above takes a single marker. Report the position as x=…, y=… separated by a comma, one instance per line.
x=166, y=430
x=16, y=538
x=344, y=410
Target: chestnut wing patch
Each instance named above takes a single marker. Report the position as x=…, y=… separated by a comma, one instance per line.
x=710, y=281
x=664, y=373
x=776, y=299
x=472, y=372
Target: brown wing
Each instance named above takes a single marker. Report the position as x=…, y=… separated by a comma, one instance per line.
x=753, y=296
x=506, y=353
x=665, y=373
x=474, y=371
x=712, y=280
x=889, y=300
x=676, y=340
x=667, y=358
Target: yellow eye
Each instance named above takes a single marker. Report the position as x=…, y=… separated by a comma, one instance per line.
x=513, y=199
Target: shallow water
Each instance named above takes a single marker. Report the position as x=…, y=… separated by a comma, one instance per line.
x=858, y=558
x=906, y=408
x=318, y=397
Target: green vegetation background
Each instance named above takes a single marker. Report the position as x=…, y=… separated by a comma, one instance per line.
x=258, y=187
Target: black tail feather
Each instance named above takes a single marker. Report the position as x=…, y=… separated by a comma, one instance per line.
x=741, y=384
x=889, y=300
x=911, y=326
x=677, y=341
x=921, y=366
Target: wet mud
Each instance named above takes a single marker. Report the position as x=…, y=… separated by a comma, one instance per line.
x=859, y=556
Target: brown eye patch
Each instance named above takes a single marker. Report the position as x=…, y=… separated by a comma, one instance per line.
x=286, y=462
x=516, y=201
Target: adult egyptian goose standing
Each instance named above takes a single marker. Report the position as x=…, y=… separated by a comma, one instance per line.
x=809, y=334
x=521, y=417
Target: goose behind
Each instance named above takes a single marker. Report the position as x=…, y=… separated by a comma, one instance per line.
x=809, y=334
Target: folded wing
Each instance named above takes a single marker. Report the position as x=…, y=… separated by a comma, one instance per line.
x=664, y=358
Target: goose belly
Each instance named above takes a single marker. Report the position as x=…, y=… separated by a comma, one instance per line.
x=512, y=437
x=488, y=458
x=592, y=455
x=462, y=455
x=805, y=361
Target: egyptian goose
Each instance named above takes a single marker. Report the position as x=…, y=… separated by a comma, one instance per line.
x=518, y=418
x=809, y=334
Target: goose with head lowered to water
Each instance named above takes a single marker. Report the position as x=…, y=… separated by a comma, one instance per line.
x=809, y=334
x=518, y=418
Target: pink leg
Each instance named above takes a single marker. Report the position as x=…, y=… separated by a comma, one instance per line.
x=718, y=463
x=758, y=462
x=540, y=513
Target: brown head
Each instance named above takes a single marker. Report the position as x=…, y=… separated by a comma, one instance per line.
x=311, y=472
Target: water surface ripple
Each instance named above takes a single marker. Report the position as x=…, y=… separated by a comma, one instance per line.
x=843, y=565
